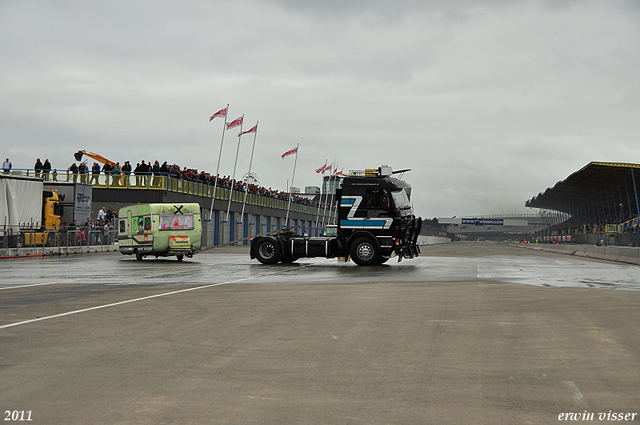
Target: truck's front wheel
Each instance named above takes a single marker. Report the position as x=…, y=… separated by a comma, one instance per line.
x=267, y=251
x=364, y=252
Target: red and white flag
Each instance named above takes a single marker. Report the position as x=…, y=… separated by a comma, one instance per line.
x=221, y=113
x=253, y=129
x=291, y=152
x=324, y=168
x=235, y=123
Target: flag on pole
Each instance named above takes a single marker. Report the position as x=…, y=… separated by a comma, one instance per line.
x=291, y=152
x=221, y=113
x=324, y=168
x=235, y=123
x=253, y=129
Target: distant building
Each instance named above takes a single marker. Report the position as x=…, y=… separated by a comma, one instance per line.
x=311, y=190
x=330, y=184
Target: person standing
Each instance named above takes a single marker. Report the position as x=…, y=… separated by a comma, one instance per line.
x=74, y=171
x=6, y=166
x=102, y=215
x=156, y=173
x=136, y=171
x=126, y=171
x=46, y=168
x=38, y=167
x=95, y=173
x=84, y=172
x=144, y=170
x=115, y=172
x=106, y=169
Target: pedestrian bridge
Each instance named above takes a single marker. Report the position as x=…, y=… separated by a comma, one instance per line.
x=248, y=215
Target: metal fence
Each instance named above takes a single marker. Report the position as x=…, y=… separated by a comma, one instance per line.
x=37, y=238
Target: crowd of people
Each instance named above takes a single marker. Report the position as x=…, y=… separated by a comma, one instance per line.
x=154, y=171
x=98, y=231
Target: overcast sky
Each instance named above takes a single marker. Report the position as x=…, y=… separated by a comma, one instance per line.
x=488, y=102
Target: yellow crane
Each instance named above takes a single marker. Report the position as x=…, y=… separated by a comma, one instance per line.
x=78, y=156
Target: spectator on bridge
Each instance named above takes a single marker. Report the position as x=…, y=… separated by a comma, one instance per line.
x=74, y=172
x=115, y=172
x=95, y=173
x=156, y=174
x=83, y=170
x=6, y=166
x=126, y=171
x=137, y=172
x=46, y=168
x=144, y=170
x=38, y=167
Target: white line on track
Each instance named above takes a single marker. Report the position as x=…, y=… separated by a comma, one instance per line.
x=164, y=294
x=575, y=392
x=26, y=286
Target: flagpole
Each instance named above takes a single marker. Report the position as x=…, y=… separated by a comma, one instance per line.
x=249, y=173
x=233, y=177
x=324, y=210
x=215, y=185
x=333, y=199
x=292, y=178
x=321, y=193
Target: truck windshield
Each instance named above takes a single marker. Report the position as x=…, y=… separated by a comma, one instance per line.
x=400, y=200
x=176, y=222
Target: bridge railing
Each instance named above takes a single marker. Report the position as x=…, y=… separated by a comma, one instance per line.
x=150, y=181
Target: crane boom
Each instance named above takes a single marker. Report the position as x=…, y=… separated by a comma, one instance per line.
x=78, y=156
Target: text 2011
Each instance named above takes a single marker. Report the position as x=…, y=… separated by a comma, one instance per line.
x=17, y=415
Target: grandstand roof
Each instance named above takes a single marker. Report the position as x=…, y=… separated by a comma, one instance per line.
x=595, y=193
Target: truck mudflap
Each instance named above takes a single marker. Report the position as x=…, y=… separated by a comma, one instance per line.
x=412, y=249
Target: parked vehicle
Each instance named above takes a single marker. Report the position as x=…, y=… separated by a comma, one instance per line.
x=29, y=213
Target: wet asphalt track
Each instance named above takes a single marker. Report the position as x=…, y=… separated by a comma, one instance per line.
x=466, y=334
x=483, y=262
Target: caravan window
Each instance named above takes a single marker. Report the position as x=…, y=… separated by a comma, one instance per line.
x=176, y=222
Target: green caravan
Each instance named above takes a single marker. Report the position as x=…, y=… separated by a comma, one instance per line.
x=161, y=230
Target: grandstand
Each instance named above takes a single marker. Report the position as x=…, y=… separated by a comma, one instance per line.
x=597, y=204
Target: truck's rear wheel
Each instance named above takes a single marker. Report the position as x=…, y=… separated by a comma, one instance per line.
x=51, y=239
x=267, y=251
x=19, y=240
x=364, y=252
